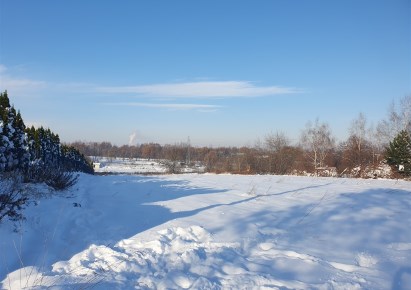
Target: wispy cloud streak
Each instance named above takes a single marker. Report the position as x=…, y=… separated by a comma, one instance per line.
x=203, y=107
x=201, y=90
x=18, y=85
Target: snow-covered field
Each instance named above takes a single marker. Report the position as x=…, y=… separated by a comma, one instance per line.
x=129, y=165
x=213, y=232
x=140, y=166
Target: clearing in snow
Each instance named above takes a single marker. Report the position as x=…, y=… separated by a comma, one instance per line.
x=213, y=232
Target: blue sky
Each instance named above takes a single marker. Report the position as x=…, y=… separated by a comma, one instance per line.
x=222, y=72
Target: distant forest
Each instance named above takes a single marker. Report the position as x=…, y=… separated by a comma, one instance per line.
x=366, y=149
x=36, y=151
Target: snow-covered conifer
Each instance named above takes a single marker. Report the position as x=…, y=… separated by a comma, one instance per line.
x=398, y=153
x=14, y=150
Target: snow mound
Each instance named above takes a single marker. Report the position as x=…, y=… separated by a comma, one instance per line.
x=179, y=258
x=189, y=258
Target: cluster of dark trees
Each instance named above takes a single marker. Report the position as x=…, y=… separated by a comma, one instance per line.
x=317, y=151
x=32, y=155
x=33, y=149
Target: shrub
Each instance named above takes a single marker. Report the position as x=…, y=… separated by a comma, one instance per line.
x=12, y=196
x=56, y=178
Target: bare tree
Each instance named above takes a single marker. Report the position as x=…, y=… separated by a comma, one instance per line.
x=357, y=150
x=358, y=131
x=377, y=143
x=276, y=142
x=280, y=157
x=175, y=155
x=210, y=160
x=317, y=140
x=399, y=118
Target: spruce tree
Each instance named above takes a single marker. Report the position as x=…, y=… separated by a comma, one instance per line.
x=14, y=150
x=31, y=150
x=398, y=153
x=33, y=144
x=20, y=143
x=4, y=100
x=4, y=141
x=7, y=116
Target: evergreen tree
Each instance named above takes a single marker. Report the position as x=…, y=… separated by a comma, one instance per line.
x=46, y=151
x=33, y=144
x=75, y=161
x=20, y=143
x=32, y=155
x=4, y=100
x=3, y=145
x=8, y=135
x=13, y=144
x=4, y=140
x=399, y=152
x=35, y=150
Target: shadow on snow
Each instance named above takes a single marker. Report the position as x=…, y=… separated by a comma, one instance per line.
x=341, y=227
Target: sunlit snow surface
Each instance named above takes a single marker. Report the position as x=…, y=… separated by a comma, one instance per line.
x=120, y=165
x=213, y=232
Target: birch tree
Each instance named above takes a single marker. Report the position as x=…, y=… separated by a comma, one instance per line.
x=399, y=119
x=317, y=141
x=358, y=149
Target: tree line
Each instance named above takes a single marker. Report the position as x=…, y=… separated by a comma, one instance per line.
x=32, y=155
x=31, y=150
x=317, y=151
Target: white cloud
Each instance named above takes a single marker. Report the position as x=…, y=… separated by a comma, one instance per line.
x=11, y=80
x=202, y=107
x=20, y=84
x=16, y=85
x=206, y=89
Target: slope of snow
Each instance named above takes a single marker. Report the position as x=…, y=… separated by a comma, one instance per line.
x=213, y=232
